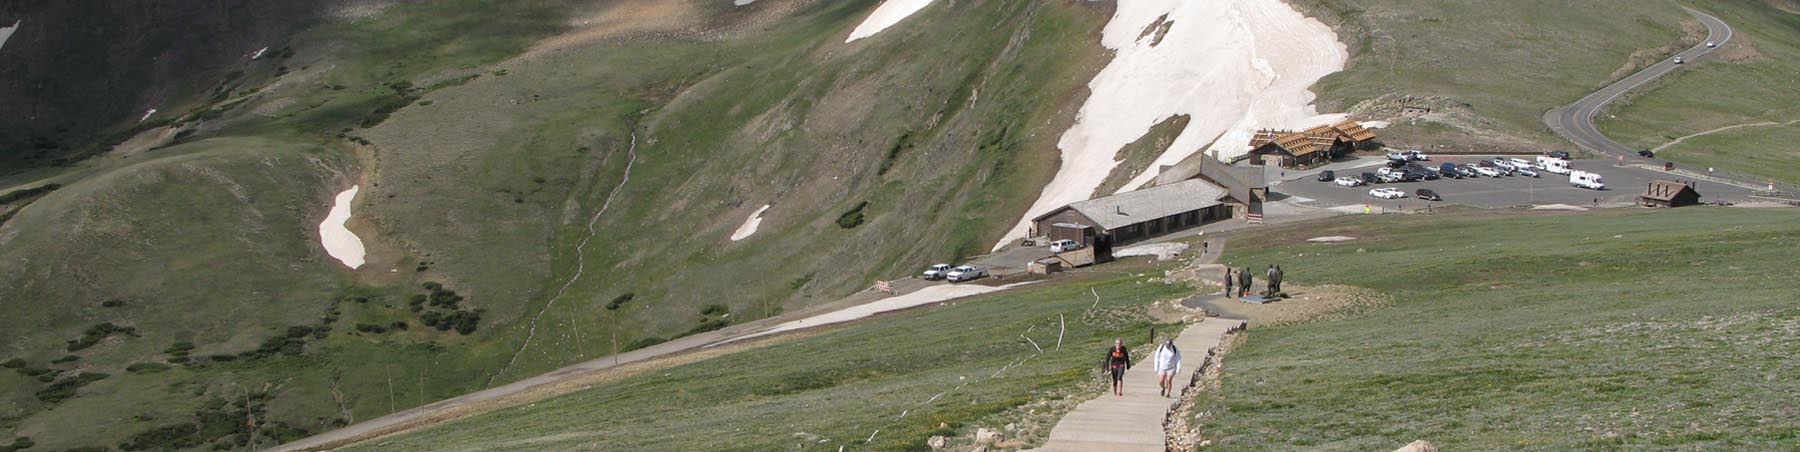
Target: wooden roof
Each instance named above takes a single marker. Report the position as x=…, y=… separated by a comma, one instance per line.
x=1663, y=190
x=1354, y=131
x=1316, y=139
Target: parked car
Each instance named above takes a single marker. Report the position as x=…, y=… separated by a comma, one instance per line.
x=965, y=273
x=1649, y=154
x=1518, y=162
x=1677, y=60
x=1710, y=44
x=1387, y=193
x=1347, y=182
x=1064, y=245
x=1468, y=170
x=1370, y=178
x=1398, y=156
x=936, y=272
x=1327, y=176
x=1488, y=171
x=1527, y=171
x=1416, y=156
x=1504, y=166
x=1427, y=194
x=1557, y=154
x=1396, y=163
x=1449, y=170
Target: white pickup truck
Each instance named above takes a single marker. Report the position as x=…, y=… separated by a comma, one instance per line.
x=936, y=272
x=965, y=272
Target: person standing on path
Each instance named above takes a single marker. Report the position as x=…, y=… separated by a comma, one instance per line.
x=1230, y=283
x=1168, y=363
x=1270, y=285
x=1118, y=358
x=1245, y=283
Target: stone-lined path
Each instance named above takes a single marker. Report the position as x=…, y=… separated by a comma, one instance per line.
x=1134, y=422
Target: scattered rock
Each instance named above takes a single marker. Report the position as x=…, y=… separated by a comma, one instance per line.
x=1206, y=443
x=1418, y=446
x=985, y=436
x=1333, y=238
x=936, y=442
x=1011, y=427
x=806, y=436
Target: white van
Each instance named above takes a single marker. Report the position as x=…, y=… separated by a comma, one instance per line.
x=1586, y=180
x=1065, y=245
x=1553, y=165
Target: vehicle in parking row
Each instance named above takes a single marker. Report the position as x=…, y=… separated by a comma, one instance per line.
x=1488, y=171
x=1552, y=164
x=1347, y=182
x=1449, y=170
x=936, y=272
x=965, y=273
x=1327, y=176
x=1586, y=180
x=1518, y=162
x=1526, y=171
x=1370, y=178
x=1387, y=193
x=1503, y=165
x=1557, y=154
x=1412, y=155
x=1427, y=194
x=1064, y=245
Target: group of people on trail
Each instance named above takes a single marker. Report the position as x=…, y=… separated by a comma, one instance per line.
x=1167, y=360
x=1238, y=282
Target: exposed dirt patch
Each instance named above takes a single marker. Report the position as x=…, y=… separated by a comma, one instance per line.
x=1791, y=6
x=144, y=141
x=1305, y=303
x=650, y=19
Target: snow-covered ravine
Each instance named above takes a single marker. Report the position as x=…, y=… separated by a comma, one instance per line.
x=1233, y=66
x=750, y=224
x=339, y=242
x=7, y=32
x=889, y=13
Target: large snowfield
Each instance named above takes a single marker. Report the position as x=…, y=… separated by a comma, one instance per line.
x=1232, y=66
x=7, y=32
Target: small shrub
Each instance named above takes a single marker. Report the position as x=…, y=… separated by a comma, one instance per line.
x=65, y=359
x=707, y=325
x=619, y=301
x=432, y=286
x=645, y=342
x=714, y=309
x=32, y=371
x=854, y=217
x=223, y=358
x=13, y=363
x=147, y=368
x=65, y=388
x=398, y=325
x=371, y=328
x=113, y=303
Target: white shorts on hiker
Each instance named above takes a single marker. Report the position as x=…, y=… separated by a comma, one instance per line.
x=1168, y=358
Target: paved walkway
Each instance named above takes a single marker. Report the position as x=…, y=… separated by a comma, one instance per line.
x=1134, y=422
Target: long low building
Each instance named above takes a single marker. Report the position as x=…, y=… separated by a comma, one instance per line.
x=1308, y=147
x=1135, y=215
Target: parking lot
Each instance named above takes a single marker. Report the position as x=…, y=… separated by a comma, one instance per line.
x=1623, y=184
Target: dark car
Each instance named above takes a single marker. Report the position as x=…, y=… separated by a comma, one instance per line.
x=1396, y=163
x=1370, y=178
x=1427, y=194
x=1327, y=176
x=1647, y=154
x=1449, y=170
x=1558, y=154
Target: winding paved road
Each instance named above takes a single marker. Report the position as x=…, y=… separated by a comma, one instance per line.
x=1576, y=121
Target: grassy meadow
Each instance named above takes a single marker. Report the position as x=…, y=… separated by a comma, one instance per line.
x=1621, y=330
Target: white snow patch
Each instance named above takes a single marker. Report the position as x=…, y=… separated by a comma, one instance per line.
x=147, y=114
x=1162, y=251
x=750, y=224
x=742, y=2
x=1374, y=124
x=889, y=13
x=925, y=296
x=339, y=242
x=1233, y=67
x=1328, y=239
x=1559, y=207
x=7, y=31
x=258, y=53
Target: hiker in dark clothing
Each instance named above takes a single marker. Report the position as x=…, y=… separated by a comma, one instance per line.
x=1271, y=284
x=1279, y=276
x=1230, y=282
x=1118, y=358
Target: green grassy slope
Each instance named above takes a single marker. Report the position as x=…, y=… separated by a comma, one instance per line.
x=790, y=116
x=1623, y=330
x=842, y=385
x=1750, y=80
x=1488, y=70
x=480, y=175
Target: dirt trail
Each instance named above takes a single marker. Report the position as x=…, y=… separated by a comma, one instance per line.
x=1722, y=129
x=580, y=261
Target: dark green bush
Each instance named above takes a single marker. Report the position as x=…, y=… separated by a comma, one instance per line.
x=65, y=388
x=147, y=368
x=13, y=363
x=619, y=301
x=854, y=217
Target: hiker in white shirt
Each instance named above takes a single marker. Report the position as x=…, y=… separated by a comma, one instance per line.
x=1168, y=363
